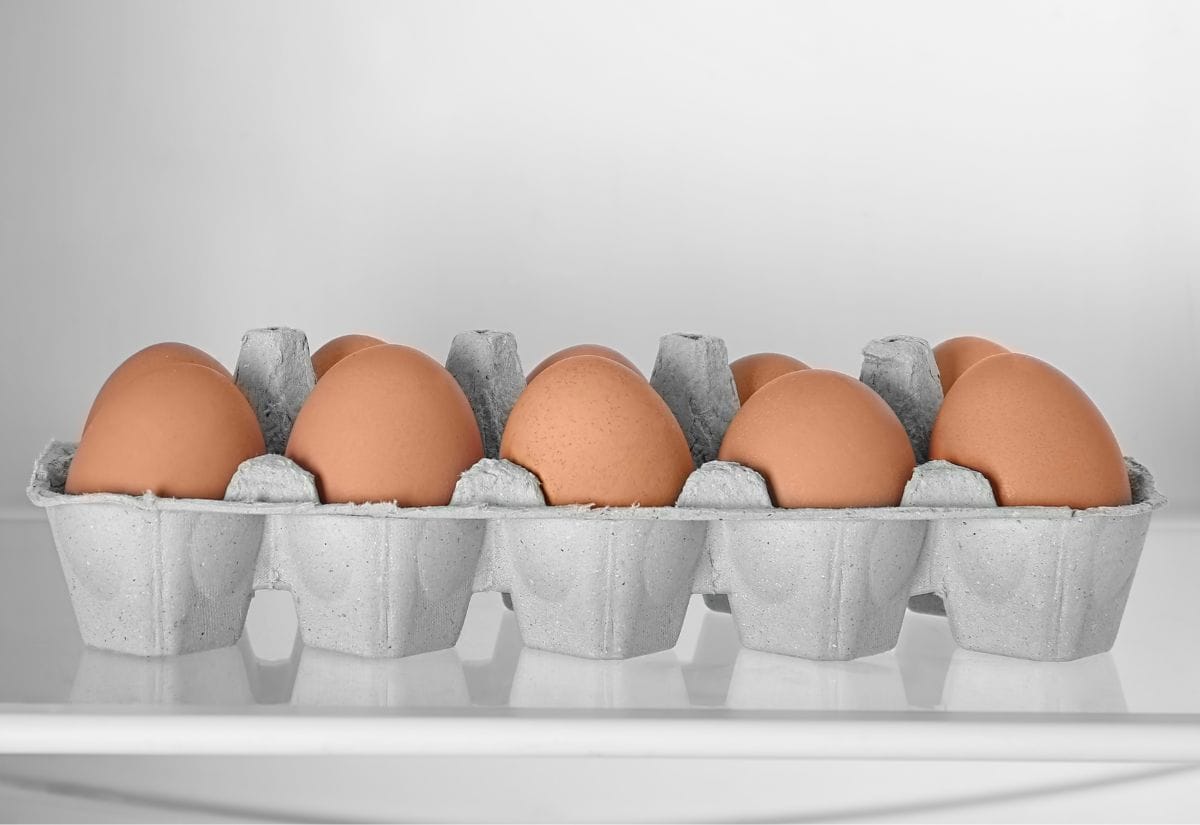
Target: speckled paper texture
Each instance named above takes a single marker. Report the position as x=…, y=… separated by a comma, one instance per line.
x=692, y=375
x=379, y=587
x=1050, y=587
x=722, y=484
x=940, y=484
x=275, y=372
x=822, y=589
x=488, y=368
x=903, y=371
x=146, y=580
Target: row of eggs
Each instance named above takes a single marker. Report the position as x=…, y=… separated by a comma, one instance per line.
x=386, y=422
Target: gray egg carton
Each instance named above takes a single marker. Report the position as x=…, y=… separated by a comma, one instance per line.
x=153, y=576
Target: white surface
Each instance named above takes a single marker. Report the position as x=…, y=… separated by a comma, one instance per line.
x=490, y=696
x=925, y=733
x=795, y=177
x=503, y=734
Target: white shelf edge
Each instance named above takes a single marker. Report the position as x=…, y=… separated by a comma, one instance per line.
x=1174, y=739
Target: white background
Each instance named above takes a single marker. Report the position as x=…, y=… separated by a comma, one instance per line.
x=794, y=177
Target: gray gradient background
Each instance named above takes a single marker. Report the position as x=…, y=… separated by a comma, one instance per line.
x=798, y=178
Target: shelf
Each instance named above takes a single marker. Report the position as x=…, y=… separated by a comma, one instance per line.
x=490, y=696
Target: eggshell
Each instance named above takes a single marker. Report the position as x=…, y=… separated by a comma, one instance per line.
x=753, y=372
x=179, y=431
x=339, y=348
x=955, y=356
x=387, y=423
x=149, y=359
x=822, y=439
x=1034, y=433
x=595, y=432
x=583, y=349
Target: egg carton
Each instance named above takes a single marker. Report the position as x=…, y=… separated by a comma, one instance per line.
x=154, y=576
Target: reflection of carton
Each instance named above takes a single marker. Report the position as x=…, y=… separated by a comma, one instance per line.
x=160, y=576
x=766, y=681
x=979, y=682
x=326, y=678
x=213, y=677
x=552, y=680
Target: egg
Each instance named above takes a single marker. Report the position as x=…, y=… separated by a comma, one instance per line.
x=1034, y=433
x=822, y=439
x=387, y=423
x=178, y=431
x=339, y=348
x=595, y=432
x=583, y=349
x=752, y=372
x=955, y=356
x=147, y=360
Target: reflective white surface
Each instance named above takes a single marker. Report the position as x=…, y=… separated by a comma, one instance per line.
x=926, y=732
x=1153, y=668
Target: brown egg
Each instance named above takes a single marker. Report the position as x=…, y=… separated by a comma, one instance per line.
x=387, y=423
x=1034, y=433
x=180, y=431
x=752, y=372
x=955, y=356
x=822, y=439
x=149, y=359
x=583, y=349
x=595, y=432
x=339, y=348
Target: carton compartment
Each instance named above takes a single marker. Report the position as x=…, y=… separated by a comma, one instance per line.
x=601, y=590
x=1040, y=583
x=378, y=586
x=823, y=590
x=819, y=584
x=149, y=579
